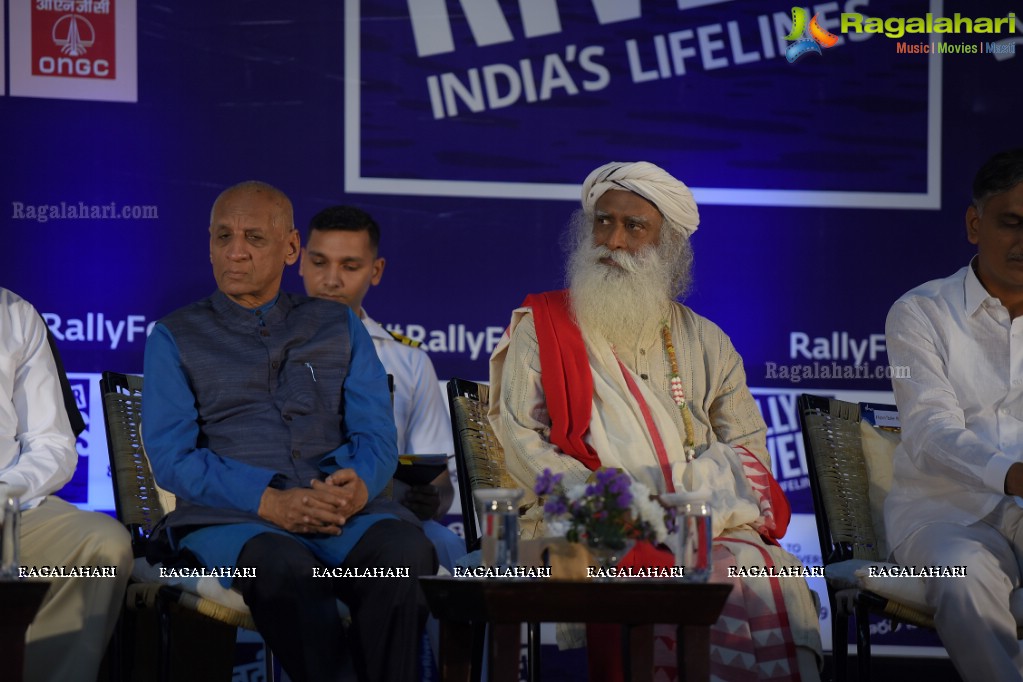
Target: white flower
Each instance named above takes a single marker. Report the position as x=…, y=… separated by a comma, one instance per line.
x=648, y=510
x=576, y=492
x=557, y=526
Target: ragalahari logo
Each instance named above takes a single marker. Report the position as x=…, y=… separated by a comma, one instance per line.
x=818, y=35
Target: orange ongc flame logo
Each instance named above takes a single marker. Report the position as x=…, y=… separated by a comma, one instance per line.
x=819, y=36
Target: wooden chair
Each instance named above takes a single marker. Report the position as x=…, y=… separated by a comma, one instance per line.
x=848, y=489
x=140, y=503
x=479, y=461
x=479, y=458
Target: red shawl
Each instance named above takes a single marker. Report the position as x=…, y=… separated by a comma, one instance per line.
x=565, y=374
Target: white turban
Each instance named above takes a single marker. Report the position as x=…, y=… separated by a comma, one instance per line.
x=671, y=197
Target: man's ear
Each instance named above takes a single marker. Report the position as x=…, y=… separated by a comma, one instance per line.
x=293, y=249
x=972, y=224
x=378, y=271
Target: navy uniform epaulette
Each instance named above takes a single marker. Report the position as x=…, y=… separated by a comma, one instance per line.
x=401, y=338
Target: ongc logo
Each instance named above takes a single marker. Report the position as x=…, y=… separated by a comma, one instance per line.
x=73, y=42
x=73, y=45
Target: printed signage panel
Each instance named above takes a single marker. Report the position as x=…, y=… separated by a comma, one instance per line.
x=90, y=487
x=75, y=49
x=456, y=98
x=3, y=52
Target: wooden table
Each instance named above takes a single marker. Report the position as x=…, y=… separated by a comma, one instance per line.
x=21, y=600
x=464, y=604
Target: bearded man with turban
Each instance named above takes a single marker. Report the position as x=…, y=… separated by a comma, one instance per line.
x=615, y=372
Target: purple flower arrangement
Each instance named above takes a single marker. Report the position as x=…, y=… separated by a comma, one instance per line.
x=607, y=511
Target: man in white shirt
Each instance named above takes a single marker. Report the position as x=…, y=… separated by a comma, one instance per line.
x=959, y=470
x=67, y=639
x=340, y=262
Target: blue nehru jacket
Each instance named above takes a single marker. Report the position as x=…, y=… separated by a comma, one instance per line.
x=237, y=399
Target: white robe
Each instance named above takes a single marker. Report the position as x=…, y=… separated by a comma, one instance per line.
x=724, y=414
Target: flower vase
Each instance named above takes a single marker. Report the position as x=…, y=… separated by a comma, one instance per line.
x=605, y=557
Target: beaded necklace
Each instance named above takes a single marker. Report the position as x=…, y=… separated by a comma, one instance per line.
x=678, y=394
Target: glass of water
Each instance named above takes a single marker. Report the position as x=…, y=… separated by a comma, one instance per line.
x=499, y=525
x=692, y=541
x=10, y=518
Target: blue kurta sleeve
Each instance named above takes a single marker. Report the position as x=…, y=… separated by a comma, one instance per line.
x=370, y=446
x=170, y=431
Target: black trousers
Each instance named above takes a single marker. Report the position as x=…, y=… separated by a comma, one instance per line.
x=297, y=614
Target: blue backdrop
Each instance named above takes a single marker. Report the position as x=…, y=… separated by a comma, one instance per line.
x=827, y=187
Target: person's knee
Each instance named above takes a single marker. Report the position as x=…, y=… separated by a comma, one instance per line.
x=403, y=545
x=979, y=592
x=808, y=663
x=422, y=555
x=105, y=542
x=279, y=565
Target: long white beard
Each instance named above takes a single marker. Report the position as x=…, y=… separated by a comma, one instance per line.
x=616, y=302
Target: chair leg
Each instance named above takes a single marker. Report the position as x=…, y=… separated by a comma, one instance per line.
x=862, y=641
x=268, y=658
x=115, y=648
x=479, y=646
x=163, y=654
x=533, y=649
x=839, y=640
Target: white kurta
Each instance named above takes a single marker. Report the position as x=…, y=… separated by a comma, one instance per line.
x=37, y=446
x=37, y=456
x=961, y=405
